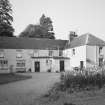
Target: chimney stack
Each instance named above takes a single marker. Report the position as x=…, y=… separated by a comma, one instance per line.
x=72, y=35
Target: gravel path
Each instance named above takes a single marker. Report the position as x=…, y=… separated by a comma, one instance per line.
x=26, y=91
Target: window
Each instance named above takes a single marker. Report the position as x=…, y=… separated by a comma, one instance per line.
x=50, y=53
x=20, y=63
x=73, y=51
x=35, y=53
x=47, y=61
x=19, y=50
x=1, y=53
x=19, y=53
x=100, y=50
x=3, y=63
x=60, y=53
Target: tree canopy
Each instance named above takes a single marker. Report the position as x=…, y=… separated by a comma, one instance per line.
x=6, y=19
x=43, y=30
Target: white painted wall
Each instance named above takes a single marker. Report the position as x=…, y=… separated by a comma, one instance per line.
x=80, y=55
x=103, y=52
x=92, y=55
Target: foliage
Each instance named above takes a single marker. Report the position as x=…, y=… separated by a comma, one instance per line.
x=43, y=30
x=84, y=81
x=6, y=19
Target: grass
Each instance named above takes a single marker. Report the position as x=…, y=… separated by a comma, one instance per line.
x=77, y=89
x=7, y=78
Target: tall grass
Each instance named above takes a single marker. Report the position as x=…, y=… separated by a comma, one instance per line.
x=82, y=80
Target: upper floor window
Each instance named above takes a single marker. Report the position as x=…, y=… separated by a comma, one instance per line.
x=35, y=53
x=73, y=51
x=19, y=53
x=60, y=53
x=100, y=50
x=50, y=53
x=1, y=53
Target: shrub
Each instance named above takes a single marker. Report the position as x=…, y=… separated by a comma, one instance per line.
x=80, y=81
x=49, y=70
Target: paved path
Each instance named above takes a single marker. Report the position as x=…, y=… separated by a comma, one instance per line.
x=24, y=92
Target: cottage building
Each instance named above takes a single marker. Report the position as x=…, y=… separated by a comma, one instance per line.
x=86, y=51
x=31, y=54
x=42, y=55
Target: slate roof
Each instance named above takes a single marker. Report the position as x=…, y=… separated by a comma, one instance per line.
x=30, y=43
x=86, y=39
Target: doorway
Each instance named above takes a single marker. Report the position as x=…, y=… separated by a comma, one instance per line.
x=62, y=66
x=81, y=64
x=100, y=62
x=37, y=66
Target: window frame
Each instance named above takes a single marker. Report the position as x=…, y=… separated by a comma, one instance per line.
x=73, y=51
x=50, y=53
x=60, y=52
x=3, y=63
x=20, y=63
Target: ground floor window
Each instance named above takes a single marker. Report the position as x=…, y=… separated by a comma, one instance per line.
x=62, y=66
x=20, y=63
x=3, y=63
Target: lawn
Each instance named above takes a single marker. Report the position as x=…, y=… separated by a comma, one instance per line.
x=7, y=78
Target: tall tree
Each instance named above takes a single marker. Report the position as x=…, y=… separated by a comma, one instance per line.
x=43, y=30
x=46, y=23
x=6, y=19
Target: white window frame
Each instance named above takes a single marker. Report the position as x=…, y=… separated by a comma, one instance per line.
x=19, y=53
x=20, y=63
x=50, y=53
x=3, y=63
x=1, y=53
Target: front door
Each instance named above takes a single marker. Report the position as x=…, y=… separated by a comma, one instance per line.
x=37, y=66
x=62, y=66
x=81, y=64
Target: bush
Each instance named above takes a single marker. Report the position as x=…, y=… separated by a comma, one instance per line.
x=82, y=81
x=49, y=70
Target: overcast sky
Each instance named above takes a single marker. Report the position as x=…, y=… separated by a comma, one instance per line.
x=81, y=16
